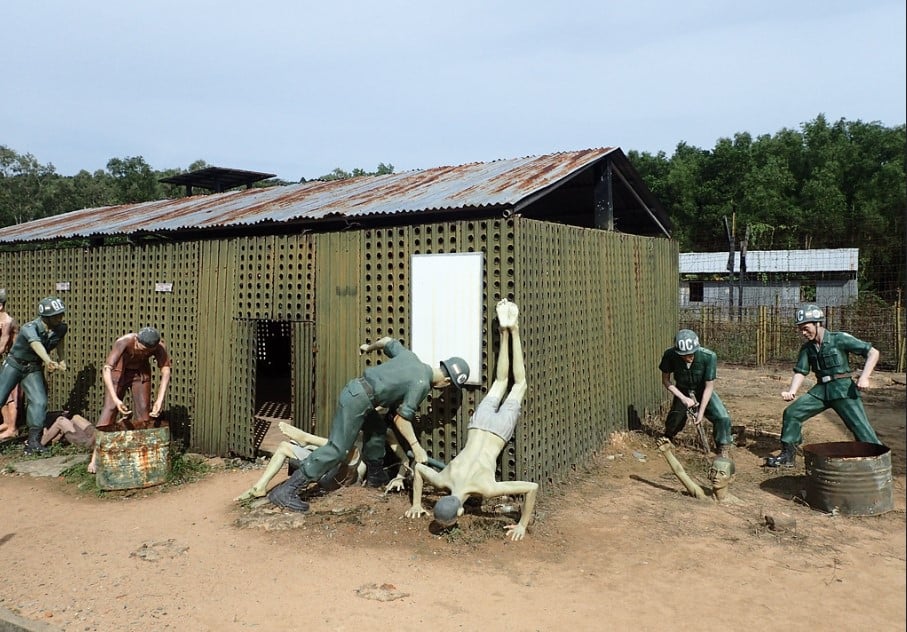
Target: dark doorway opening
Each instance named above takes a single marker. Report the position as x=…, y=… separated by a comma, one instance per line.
x=273, y=379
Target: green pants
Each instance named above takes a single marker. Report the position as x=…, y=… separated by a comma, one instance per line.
x=33, y=387
x=714, y=412
x=850, y=410
x=354, y=413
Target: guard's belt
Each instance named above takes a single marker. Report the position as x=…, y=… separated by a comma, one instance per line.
x=825, y=379
x=28, y=366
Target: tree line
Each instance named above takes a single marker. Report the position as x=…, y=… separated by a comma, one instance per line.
x=824, y=185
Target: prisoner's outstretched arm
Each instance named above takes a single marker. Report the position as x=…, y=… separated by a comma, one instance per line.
x=695, y=490
x=529, y=491
x=405, y=427
x=417, y=509
x=396, y=483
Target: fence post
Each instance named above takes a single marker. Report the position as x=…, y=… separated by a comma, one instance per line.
x=761, y=338
x=899, y=332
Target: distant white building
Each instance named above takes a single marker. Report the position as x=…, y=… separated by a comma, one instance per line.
x=787, y=278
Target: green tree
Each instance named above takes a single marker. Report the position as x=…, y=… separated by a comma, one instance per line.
x=340, y=174
x=133, y=180
x=22, y=187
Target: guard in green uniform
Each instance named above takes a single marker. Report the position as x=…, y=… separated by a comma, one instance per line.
x=401, y=383
x=825, y=353
x=694, y=369
x=25, y=363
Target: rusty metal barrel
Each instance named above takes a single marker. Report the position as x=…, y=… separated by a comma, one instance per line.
x=852, y=478
x=131, y=459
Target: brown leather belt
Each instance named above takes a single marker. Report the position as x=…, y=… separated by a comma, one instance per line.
x=825, y=379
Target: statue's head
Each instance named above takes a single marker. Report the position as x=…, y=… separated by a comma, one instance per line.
x=721, y=474
x=447, y=510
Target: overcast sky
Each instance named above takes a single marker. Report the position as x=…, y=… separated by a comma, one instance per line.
x=298, y=88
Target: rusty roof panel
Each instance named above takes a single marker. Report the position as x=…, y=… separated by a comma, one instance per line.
x=474, y=185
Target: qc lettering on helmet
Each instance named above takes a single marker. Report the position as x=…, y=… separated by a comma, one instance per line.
x=686, y=345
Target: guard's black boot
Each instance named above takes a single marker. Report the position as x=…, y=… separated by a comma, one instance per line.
x=787, y=458
x=286, y=494
x=375, y=474
x=33, y=445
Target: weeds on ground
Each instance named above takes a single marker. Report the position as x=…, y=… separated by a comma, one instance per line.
x=184, y=468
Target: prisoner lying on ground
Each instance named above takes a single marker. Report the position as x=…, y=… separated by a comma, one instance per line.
x=350, y=471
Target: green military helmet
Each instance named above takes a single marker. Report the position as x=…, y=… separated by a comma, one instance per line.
x=3, y=296
x=686, y=342
x=810, y=313
x=457, y=370
x=50, y=306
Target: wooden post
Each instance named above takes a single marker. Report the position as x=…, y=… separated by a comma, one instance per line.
x=730, y=269
x=742, y=276
x=762, y=338
x=776, y=328
x=899, y=328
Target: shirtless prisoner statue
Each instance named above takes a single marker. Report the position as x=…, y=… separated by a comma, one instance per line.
x=9, y=410
x=350, y=471
x=76, y=431
x=471, y=472
x=128, y=367
x=721, y=475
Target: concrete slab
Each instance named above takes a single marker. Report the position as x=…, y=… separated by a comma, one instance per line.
x=10, y=622
x=51, y=466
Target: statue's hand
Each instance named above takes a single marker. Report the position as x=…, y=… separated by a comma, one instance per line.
x=516, y=531
x=419, y=454
x=395, y=485
x=664, y=444
x=416, y=511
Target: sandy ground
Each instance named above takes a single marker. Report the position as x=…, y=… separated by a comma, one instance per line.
x=619, y=546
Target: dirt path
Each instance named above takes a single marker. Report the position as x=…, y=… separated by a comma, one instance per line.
x=617, y=547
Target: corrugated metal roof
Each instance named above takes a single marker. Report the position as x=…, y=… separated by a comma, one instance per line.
x=818, y=260
x=475, y=185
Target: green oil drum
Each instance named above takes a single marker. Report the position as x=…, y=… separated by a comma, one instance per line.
x=131, y=459
x=852, y=478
